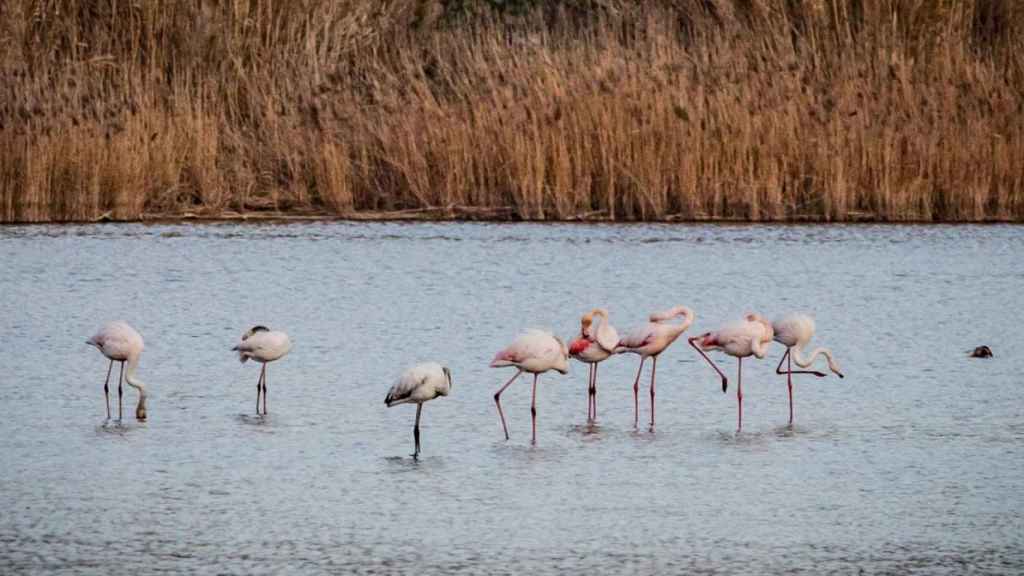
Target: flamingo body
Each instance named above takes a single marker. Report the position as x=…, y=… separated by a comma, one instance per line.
x=648, y=341
x=594, y=344
x=119, y=342
x=535, y=352
x=794, y=331
x=263, y=345
x=417, y=385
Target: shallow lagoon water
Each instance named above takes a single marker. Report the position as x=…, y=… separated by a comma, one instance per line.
x=912, y=463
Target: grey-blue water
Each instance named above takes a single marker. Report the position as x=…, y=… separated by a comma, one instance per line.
x=914, y=463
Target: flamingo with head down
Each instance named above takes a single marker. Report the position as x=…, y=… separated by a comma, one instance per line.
x=535, y=352
x=649, y=341
x=120, y=342
x=749, y=337
x=594, y=345
x=794, y=331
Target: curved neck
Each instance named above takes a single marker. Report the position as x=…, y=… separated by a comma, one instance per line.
x=806, y=362
x=129, y=377
x=685, y=313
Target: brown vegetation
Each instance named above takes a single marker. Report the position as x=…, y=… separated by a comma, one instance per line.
x=668, y=109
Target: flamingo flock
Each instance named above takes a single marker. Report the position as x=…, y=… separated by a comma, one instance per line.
x=535, y=352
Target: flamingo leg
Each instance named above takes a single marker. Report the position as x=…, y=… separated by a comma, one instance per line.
x=264, y=389
x=416, y=431
x=636, y=392
x=259, y=389
x=533, y=409
x=789, y=369
x=593, y=394
x=739, y=393
x=106, y=389
x=725, y=381
x=120, y=392
x=654, y=368
x=497, y=400
x=789, y=384
x=590, y=394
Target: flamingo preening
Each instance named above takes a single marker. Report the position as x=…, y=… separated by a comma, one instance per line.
x=794, y=331
x=262, y=345
x=749, y=337
x=417, y=385
x=120, y=342
x=594, y=345
x=535, y=352
x=650, y=340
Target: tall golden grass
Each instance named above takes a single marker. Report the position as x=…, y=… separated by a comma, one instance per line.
x=832, y=110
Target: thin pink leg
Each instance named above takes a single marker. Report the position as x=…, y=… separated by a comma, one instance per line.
x=497, y=400
x=789, y=383
x=636, y=392
x=725, y=381
x=120, y=392
x=739, y=393
x=778, y=369
x=654, y=368
x=259, y=389
x=533, y=410
x=264, y=389
x=594, y=394
x=590, y=393
x=106, y=388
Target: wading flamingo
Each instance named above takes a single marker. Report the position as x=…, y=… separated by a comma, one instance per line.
x=592, y=346
x=417, y=385
x=535, y=352
x=262, y=345
x=119, y=341
x=650, y=340
x=794, y=331
x=749, y=337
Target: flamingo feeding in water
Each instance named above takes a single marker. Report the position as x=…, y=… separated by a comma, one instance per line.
x=749, y=337
x=594, y=345
x=535, y=352
x=650, y=340
x=417, y=385
x=262, y=345
x=120, y=342
x=794, y=331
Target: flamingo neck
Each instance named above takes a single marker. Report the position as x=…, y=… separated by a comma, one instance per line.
x=687, y=316
x=129, y=377
x=806, y=362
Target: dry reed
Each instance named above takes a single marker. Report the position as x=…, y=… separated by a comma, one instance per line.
x=832, y=110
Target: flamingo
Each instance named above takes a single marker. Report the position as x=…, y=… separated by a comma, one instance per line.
x=749, y=337
x=262, y=345
x=794, y=331
x=535, y=352
x=120, y=342
x=650, y=340
x=417, y=385
x=592, y=346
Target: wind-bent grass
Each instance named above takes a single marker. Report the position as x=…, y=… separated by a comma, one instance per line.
x=831, y=110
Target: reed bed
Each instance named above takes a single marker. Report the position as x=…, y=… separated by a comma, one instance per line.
x=760, y=110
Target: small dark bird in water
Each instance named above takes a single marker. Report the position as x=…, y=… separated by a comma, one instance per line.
x=981, y=352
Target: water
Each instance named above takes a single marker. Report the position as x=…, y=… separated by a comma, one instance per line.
x=913, y=463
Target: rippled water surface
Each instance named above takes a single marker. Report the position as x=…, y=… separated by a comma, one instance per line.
x=913, y=463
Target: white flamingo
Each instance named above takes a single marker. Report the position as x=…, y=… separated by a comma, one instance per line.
x=262, y=345
x=417, y=385
x=592, y=346
x=120, y=342
x=650, y=340
x=749, y=337
x=794, y=331
x=535, y=352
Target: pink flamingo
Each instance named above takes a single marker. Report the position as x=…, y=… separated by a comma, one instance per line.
x=592, y=346
x=535, y=352
x=650, y=340
x=794, y=331
x=749, y=337
x=120, y=342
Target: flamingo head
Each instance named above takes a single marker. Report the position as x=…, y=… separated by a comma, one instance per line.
x=585, y=323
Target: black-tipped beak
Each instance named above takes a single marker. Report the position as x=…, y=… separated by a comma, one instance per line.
x=840, y=374
x=725, y=385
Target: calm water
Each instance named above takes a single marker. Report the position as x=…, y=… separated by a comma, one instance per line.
x=913, y=463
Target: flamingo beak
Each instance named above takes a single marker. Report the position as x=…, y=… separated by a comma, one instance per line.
x=725, y=385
